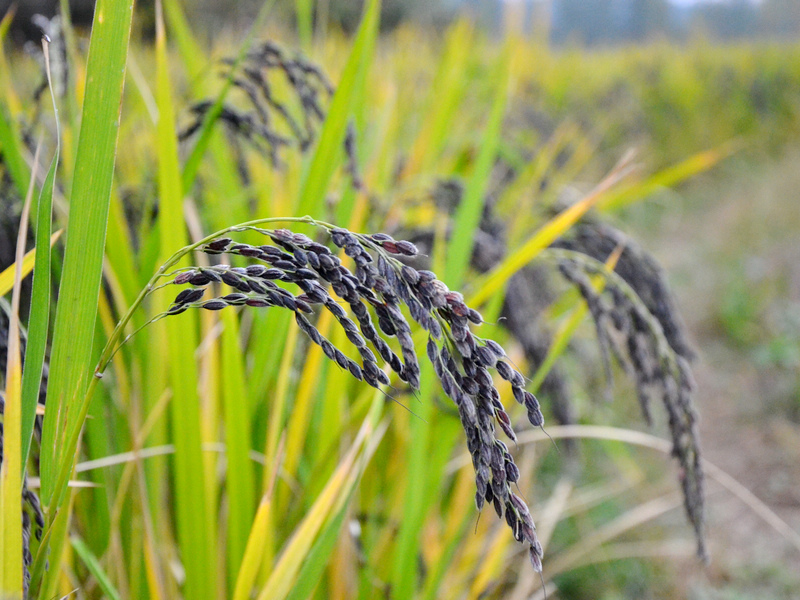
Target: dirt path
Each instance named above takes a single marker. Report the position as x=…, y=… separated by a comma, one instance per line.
x=731, y=247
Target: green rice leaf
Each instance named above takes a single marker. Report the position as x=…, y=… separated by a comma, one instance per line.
x=329, y=148
x=469, y=211
x=11, y=466
x=10, y=148
x=28, y=261
x=39, y=319
x=91, y=562
x=195, y=523
x=240, y=473
x=76, y=311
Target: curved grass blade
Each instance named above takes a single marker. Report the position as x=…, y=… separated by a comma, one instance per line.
x=317, y=558
x=240, y=473
x=331, y=499
x=28, y=261
x=91, y=562
x=10, y=468
x=669, y=177
x=10, y=146
x=192, y=53
x=545, y=235
x=194, y=508
x=39, y=320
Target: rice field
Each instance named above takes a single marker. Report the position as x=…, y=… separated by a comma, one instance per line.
x=361, y=320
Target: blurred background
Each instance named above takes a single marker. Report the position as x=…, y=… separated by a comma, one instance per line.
x=580, y=22
x=671, y=79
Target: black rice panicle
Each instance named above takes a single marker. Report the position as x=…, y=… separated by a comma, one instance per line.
x=271, y=121
x=366, y=302
x=638, y=341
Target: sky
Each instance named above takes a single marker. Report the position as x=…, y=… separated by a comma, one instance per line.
x=691, y=2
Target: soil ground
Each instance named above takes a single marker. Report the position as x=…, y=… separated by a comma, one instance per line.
x=730, y=244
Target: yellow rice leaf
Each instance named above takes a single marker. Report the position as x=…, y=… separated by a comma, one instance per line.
x=7, y=276
x=547, y=234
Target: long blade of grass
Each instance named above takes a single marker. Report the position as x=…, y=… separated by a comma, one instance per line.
x=405, y=567
x=194, y=508
x=468, y=214
x=449, y=83
x=669, y=177
x=283, y=575
x=251, y=560
x=240, y=473
x=329, y=147
x=11, y=466
x=11, y=148
x=256, y=548
x=39, y=320
x=57, y=536
x=91, y=562
x=337, y=489
x=298, y=427
x=304, y=9
x=192, y=53
x=317, y=558
x=5, y=23
x=76, y=311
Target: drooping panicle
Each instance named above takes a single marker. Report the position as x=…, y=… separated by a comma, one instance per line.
x=369, y=290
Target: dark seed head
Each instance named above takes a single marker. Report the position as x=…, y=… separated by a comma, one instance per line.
x=512, y=472
x=272, y=274
x=531, y=403
x=474, y=316
x=184, y=277
x=407, y=248
x=235, y=299
x=189, y=295
x=220, y=244
x=249, y=251
x=536, y=418
x=256, y=270
x=355, y=370
x=199, y=279
x=257, y=302
x=214, y=305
